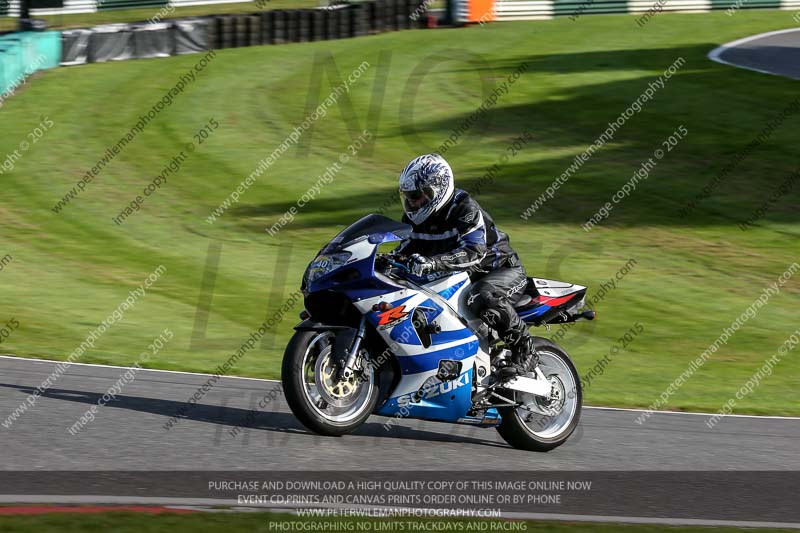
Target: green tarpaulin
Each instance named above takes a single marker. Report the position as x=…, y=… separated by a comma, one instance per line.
x=22, y=54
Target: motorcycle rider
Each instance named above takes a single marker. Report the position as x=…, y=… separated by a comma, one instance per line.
x=451, y=232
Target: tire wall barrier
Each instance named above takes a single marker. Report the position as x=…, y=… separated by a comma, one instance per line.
x=153, y=40
x=162, y=38
x=23, y=54
x=319, y=27
x=241, y=35
x=280, y=30
x=345, y=23
x=332, y=23
x=192, y=35
x=75, y=44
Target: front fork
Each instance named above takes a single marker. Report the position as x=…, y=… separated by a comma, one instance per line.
x=350, y=355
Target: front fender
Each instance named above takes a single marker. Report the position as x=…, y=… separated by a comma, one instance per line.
x=343, y=337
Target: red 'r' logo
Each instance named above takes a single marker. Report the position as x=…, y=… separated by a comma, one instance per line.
x=392, y=315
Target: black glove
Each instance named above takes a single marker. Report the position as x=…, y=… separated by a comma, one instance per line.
x=421, y=266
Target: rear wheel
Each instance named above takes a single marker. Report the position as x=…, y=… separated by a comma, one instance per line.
x=321, y=402
x=539, y=424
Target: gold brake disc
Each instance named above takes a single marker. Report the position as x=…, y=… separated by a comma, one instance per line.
x=336, y=391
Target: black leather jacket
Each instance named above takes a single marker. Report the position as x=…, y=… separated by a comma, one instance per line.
x=461, y=236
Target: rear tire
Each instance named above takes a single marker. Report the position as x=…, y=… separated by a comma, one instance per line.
x=538, y=436
x=302, y=393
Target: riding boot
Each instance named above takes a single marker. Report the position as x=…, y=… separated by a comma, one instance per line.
x=523, y=356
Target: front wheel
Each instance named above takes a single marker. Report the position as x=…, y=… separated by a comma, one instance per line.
x=321, y=403
x=540, y=425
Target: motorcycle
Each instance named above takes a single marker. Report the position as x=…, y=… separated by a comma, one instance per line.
x=374, y=338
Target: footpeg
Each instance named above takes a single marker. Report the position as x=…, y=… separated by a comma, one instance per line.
x=508, y=372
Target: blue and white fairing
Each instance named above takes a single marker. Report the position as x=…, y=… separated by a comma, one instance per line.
x=449, y=400
x=441, y=303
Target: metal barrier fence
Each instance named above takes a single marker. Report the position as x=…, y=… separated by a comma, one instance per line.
x=503, y=10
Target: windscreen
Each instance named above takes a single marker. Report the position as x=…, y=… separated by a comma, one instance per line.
x=369, y=225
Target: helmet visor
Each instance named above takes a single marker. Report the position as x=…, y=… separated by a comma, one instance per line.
x=417, y=199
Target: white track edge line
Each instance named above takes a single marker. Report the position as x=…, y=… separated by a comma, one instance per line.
x=599, y=407
x=51, y=361
x=714, y=55
x=695, y=413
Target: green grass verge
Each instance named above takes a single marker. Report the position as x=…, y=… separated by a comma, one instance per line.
x=694, y=275
x=123, y=522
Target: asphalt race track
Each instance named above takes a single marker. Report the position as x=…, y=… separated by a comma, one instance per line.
x=128, y=434
x=775, y=52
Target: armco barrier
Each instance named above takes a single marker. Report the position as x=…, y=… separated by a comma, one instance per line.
x=22, y=54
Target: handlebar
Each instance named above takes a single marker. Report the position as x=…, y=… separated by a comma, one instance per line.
x=395, y=261
x=401, y=266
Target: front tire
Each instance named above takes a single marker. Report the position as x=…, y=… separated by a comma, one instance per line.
x=525, y=430
x=319, y=402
